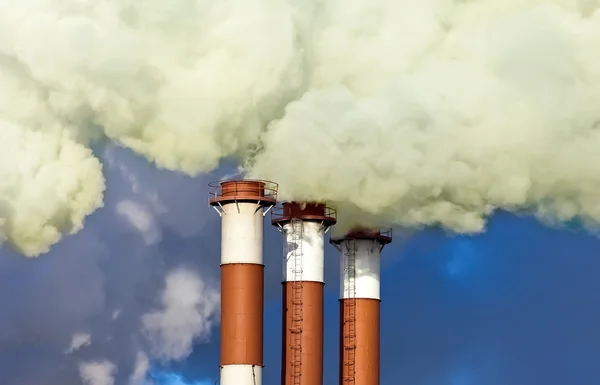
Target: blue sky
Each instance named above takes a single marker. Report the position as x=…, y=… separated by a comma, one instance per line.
x=517, y=305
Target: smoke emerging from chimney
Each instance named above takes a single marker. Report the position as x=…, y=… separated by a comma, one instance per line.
x=409, y=112
x=441, y=119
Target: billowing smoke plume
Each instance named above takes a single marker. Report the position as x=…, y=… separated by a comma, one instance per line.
x=440, y=112
x=48, y=184
x=432, y=112
x=182, y=82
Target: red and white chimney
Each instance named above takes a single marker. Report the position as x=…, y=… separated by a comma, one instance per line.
x=304, y=226
x=242, y=205
x=360, y=300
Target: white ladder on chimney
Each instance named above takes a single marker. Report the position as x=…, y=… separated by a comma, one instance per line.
x=349, y=368
x=297, y=306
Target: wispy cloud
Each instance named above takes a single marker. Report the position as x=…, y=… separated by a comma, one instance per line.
x=172, y=378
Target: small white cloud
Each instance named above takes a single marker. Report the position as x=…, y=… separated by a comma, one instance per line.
x=141, y=220
x=188, y=312
x=142, y=365
x=78, y=341
x=97, y=372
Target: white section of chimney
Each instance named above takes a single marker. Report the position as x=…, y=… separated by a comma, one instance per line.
x=241, y=375
x=242, y=233
x=311, y=245
x=367, y=253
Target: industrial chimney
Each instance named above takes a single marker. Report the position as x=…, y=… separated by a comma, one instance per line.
x=359, y=304
x=242, y=205
x=304, y=226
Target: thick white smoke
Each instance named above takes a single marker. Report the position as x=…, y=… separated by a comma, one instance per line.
x=432, y=112
x=476, y=106
x=48, y=184
x=182, y=82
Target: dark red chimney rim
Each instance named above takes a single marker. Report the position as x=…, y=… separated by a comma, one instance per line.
x=244, y=190
x=305, y=211
x=383, y=236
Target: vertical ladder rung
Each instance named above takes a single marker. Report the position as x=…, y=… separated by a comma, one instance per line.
x=349, y=269
x=297, y=310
